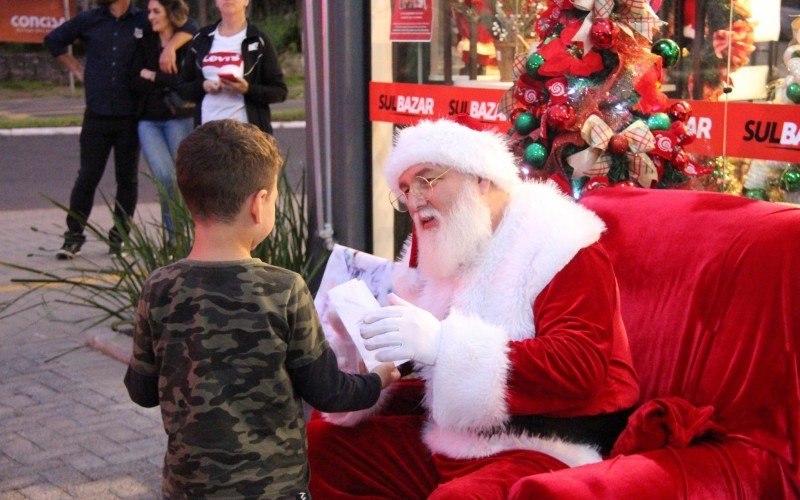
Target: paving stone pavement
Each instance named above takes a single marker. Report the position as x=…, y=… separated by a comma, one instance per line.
x=68, y=428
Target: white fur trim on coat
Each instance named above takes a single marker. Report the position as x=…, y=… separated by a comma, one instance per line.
x=446, y=143
x=541, y=231
x=466, y=386
x=469, y=445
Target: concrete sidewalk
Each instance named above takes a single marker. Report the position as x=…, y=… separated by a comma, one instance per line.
x=68, y=428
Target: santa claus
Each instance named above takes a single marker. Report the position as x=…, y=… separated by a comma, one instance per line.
x=508, y=306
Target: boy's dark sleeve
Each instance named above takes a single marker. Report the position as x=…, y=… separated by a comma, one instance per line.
x=312, y=365
x=322, y=385
x=143, y=389
x=141, y=379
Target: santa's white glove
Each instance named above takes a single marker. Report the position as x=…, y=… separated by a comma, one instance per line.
x=402, y=331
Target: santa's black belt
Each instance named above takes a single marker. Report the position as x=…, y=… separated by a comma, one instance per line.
x=596, y=430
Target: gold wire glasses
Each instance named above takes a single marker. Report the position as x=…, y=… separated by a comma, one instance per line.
x=420, y=186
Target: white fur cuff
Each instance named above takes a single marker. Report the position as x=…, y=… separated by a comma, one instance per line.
x=466, y=387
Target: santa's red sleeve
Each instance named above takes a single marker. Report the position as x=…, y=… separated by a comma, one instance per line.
x=579, y=362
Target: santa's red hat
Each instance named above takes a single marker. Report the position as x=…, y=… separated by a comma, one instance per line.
x=458, y=143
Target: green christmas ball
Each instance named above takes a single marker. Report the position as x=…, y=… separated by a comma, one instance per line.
x=525, y=123
x=796, y=53
x=755, y=194
x=659, y=121
x=793, y=92
x=790, y=180
x=669, y=51
x=533, y=64
x=535, y=155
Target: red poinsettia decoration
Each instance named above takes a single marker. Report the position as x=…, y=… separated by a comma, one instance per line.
x=651, y=99
x=561, y=56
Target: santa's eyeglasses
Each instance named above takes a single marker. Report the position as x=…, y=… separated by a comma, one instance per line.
x=419, y=186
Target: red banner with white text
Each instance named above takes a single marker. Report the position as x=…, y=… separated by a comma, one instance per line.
x=30, y=20
x=753, y=130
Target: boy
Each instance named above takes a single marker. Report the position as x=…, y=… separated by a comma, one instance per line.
x=227, y=344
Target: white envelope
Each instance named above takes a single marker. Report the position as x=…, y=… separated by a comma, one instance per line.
x=352, y=300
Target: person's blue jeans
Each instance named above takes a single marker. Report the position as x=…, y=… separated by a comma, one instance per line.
x=159, y=141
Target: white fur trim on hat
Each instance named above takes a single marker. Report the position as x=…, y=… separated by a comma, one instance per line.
x=444, y=142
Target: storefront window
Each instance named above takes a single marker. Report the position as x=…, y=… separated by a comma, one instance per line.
x=701, y=92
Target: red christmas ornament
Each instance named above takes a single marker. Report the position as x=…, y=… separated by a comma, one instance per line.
x=560, y=117
x=557, y=87
x=528, y=91
x=680, y=160
x=618, y=145
x=679, y=129
x=604, y=34
x=627, y=183
x=680, y=111
x=598, y=181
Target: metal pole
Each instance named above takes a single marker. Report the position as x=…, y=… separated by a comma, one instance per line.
x=326, y=232
x=313, y=123
x=419, y=62
x=447, y=41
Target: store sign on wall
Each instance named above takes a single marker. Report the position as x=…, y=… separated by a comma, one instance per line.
x=28, y=21
x=412, y=21
x=765, y=131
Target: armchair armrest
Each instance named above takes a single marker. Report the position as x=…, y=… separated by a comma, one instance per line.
x=728, y=469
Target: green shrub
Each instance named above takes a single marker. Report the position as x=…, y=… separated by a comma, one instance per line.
x=284, y=31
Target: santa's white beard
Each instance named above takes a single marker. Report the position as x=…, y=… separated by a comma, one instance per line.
x=459, y=239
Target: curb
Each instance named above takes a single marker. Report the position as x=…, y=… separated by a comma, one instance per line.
x=113, y=344
x=40, y=131
x=18, y=132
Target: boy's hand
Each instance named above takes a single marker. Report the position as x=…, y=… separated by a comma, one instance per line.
x=388, y=373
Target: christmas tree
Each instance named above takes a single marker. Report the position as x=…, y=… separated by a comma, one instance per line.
x=586, y=108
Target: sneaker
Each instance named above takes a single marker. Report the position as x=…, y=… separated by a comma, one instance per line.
x=69, y=250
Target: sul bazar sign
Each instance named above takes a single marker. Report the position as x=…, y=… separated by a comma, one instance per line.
x=764, y=131
x=28, y=21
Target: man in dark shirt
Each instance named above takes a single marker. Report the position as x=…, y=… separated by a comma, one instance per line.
x=109, y=33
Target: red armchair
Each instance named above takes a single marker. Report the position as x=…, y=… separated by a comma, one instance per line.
x=710, y=289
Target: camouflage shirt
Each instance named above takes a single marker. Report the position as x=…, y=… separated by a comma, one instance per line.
x=221, y=337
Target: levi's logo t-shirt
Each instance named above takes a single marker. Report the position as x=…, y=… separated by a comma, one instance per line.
x=225, y=57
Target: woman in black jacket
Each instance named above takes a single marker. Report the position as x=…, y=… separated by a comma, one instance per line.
x=232, y=71
x=163, y=122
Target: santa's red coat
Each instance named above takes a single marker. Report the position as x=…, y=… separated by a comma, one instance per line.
x=534, y=328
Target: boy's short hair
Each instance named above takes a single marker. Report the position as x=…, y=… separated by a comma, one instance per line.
x=221, y=163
